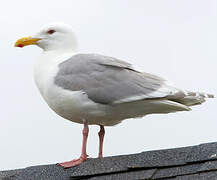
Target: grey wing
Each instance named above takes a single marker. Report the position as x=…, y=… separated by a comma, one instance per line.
x=109, y=81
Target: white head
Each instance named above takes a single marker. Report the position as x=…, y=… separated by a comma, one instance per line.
x=55, y=36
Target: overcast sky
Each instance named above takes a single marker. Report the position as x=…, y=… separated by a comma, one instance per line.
x=176, y=39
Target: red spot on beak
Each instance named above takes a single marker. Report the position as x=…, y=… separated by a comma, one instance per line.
x=20, y=45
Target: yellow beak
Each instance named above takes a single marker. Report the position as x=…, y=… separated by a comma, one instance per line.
x=26, y=41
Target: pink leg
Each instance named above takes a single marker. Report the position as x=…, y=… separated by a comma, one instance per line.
x=101, y=138
x=84, y=155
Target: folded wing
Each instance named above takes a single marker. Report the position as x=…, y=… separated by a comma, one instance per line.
x=107, y=80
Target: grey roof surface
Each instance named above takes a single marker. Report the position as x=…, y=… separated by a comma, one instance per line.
x=187, y=163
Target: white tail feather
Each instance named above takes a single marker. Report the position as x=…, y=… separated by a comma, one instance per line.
x=194, y=98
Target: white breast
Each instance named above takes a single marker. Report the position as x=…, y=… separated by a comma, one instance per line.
x=46, y=68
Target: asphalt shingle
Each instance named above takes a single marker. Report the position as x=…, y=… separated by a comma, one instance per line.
x=187, y=163
x=203, y=152
x=176, y=171
x=132, y=175
x=162, y=158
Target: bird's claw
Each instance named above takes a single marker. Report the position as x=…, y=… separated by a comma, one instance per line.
x=73, y=163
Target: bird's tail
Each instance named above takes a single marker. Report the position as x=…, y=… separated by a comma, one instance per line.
x=194, y=98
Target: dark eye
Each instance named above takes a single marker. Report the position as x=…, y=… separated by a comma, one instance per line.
x=51, y=31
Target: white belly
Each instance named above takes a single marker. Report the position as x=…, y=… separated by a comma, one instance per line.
x=74, y=105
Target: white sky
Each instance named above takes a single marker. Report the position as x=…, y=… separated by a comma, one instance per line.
x=176, y=39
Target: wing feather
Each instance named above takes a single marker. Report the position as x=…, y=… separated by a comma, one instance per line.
x=107, y=80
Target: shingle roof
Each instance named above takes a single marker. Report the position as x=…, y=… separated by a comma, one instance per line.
x=187, y=163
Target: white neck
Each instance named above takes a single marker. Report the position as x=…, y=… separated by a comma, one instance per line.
x=55, y=56
x=46, y=67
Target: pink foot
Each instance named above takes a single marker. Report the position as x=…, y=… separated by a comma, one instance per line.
x=73, y=163
x=83, y=156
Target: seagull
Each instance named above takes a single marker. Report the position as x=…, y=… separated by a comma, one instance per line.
x=93, y=89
